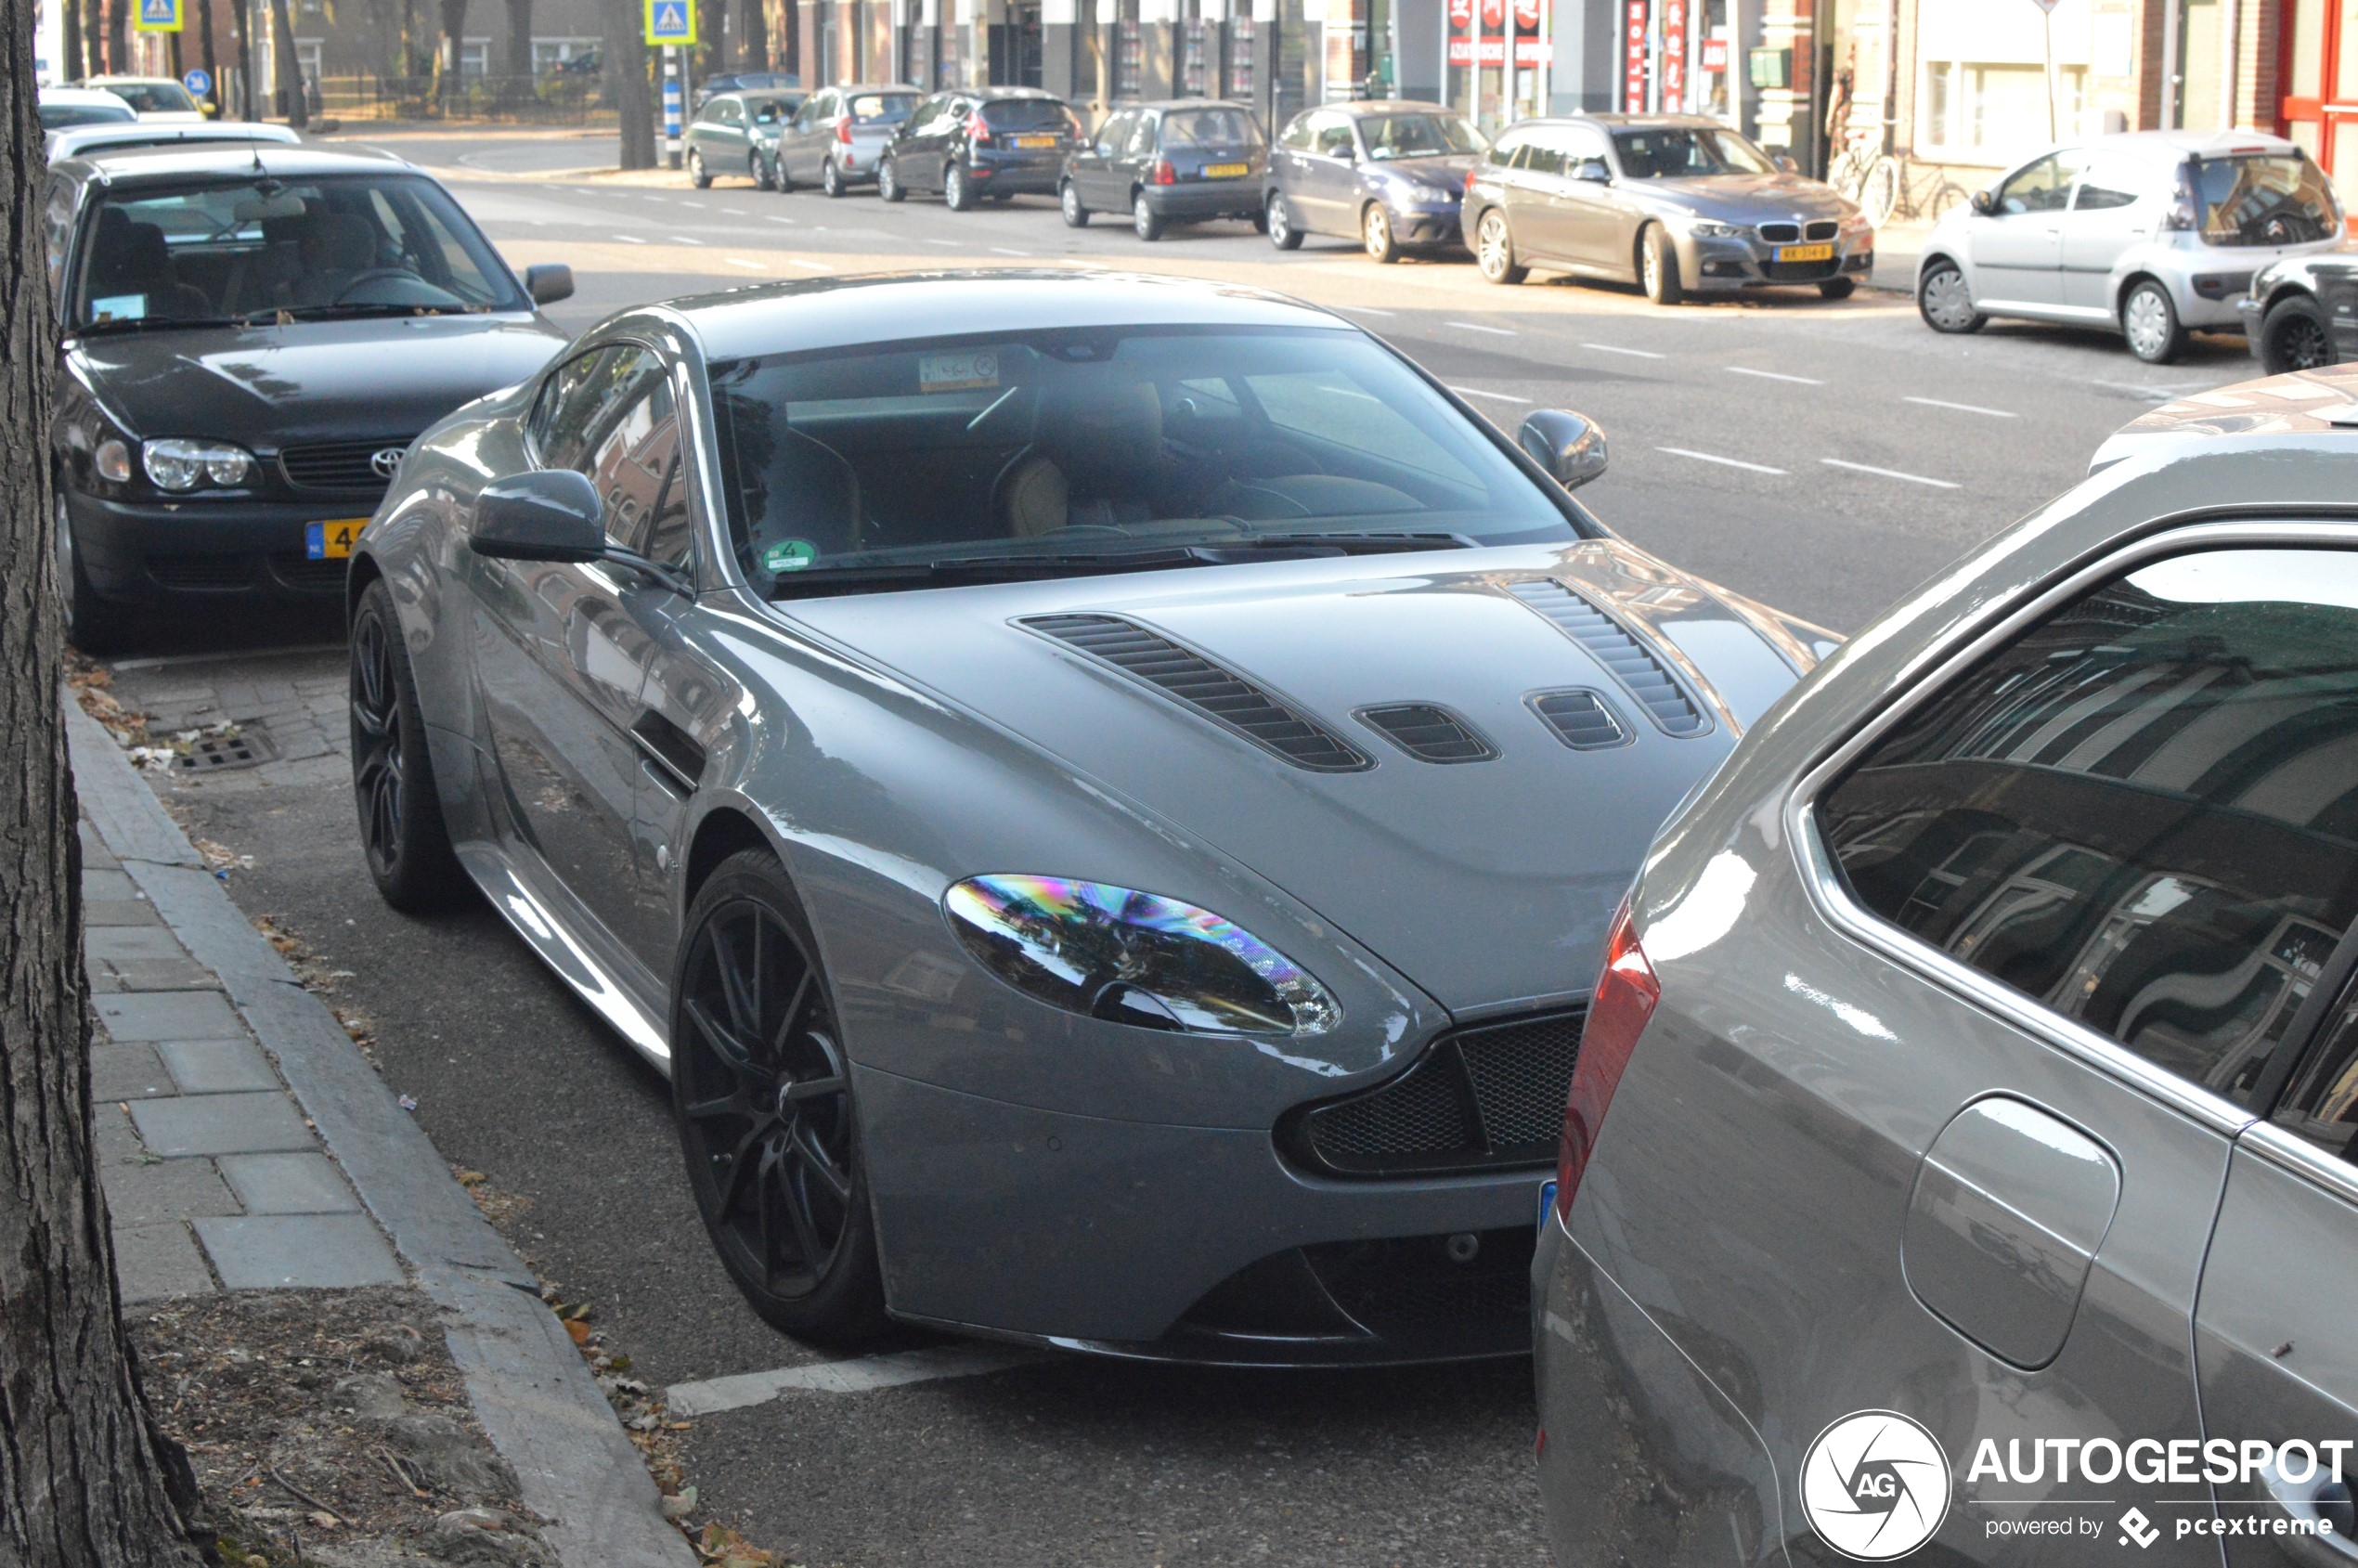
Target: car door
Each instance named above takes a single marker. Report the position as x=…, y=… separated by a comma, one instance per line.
x=912, y=144
x=817, y=129
x=2114, y=207
x=2016, y=246
x=1585, y=214
x=1289, y=164
x=1325, y=187
x=1093, y=165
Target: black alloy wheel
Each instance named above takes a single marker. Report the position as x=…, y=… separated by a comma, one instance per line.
x=762, y=1093
x=831, y=180
x=2294, y=336
x=402, y=833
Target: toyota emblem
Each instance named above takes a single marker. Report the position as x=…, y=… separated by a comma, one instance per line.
x=386, y=460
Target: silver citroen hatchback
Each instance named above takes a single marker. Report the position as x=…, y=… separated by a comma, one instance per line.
x=1958, y=1160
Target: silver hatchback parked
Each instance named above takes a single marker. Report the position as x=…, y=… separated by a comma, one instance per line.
x=834, y=138
x=1958, y=1160
x=2151, y=233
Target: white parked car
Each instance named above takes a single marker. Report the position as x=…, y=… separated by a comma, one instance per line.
x=158, y=100
x=2150, y=233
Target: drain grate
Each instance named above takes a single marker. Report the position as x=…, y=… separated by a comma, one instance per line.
x=249, y=747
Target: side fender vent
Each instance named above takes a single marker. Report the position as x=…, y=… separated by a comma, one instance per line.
x=1580, y=719
x=1219, y=694
x=1632, y=662
x=1428, y=733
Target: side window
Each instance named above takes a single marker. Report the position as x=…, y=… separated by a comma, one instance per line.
x=2044, y=187
x=1142, y=137
x=1114, y=134
x=2111, y=183
x=579, y=404
x=1502, y=151
x=1299, y=134
x=1331, y=135
x=1547, y=155
x=57, y=233
x=2143, y=813
x=1329, y=406
x=634, y=461
x=2321, y=1103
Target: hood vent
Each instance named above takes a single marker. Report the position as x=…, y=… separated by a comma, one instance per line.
x=1580, y=719
x=1632, y=663
x=1428, y=733
x=1219, y=694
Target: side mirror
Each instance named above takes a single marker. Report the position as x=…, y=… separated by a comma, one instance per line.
x=1567, y=444
x=549, y=282
x=1984, y=204
x=1785, y=163
x=1594, y=170
x=549, y=514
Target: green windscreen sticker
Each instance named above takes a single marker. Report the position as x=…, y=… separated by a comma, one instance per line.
x=789, y=555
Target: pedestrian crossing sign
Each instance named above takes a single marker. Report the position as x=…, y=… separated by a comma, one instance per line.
x=670, y=22
x=157, y=15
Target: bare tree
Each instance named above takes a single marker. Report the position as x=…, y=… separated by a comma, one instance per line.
x=87, y=1478
x=287, y=67
x=118, y=43
x=626, y=71
x=519, y=49
x=71, y=67
x=753, y=20
x=212, y=66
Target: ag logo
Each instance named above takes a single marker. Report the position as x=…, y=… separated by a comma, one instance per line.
x=1876, y=1485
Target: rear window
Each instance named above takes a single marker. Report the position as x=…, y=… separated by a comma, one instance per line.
x=1026, y=114
x=154, y=97
x=1209, y=127
x=57, y=116
x=2267, y=200
x=886, y=108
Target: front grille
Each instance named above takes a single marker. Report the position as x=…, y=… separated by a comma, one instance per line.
x=1801, y=271
x=298, y=571
x=1822, y=230
x=1630, y=662
x=1429, y=733
x=1219, y=694
x=1781, y=233
x=201, y=571
x=1580, y=719
x=337, y=465
x=1482, y=1098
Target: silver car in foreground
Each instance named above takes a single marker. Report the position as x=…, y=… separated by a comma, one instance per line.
x=1959, y=1158
x=1106, y=816
x=2150, y=233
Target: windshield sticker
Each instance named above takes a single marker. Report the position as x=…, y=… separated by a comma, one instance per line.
x=957, y=372
x=789, y=555
x=119, y=307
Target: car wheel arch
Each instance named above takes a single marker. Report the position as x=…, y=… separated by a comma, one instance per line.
x=364, y=570
x=724, y=831
x=1933, y=261
x=2128, y=286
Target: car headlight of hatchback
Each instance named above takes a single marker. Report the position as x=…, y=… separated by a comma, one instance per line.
x=1129, y=957
x=1856, y=223
x=183, y=465
x=1704, y=229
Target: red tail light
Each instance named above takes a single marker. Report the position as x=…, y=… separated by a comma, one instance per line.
x=1626, y=993
x=843, y=130
x=1470, y=177
x=978, y=129
x=1164, y=173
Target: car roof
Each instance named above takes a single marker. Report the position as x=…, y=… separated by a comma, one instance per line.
x=823, y=313
x=75, y=141
x=2173, y=145
x=1164, y=104
x=994, y=93
x=130, y=80
x=79, y=95
x=872, y=87
x=1642, y=121
x=134, y=165
x=2319, y=402
x=1389, y=106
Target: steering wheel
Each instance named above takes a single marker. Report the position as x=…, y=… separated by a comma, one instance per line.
x=373, y=275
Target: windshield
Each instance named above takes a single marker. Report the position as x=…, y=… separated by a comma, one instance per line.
x=1095, y=443
x=1418, y=136
x=154, y=97
x=57, y=116
x=886, y=108
x=1209, y=128
x=355, y=243
x=1026, y=114
x=1675, y=152
x=2264, y=201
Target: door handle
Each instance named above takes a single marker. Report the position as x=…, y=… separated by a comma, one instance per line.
x=2319, y=1500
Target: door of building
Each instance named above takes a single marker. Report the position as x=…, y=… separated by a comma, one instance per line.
x=2319, y=69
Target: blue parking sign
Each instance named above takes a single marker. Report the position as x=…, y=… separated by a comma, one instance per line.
x=198, y=82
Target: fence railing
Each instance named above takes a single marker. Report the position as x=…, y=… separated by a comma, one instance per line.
x=553, y=98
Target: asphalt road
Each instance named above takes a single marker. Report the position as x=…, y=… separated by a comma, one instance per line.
x=1824, y=457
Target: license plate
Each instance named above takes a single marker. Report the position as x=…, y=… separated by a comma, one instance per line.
x=1035, y=141
x=331, y=540
x=1226, y=170
x=1805, y=253
x=1546, y=1201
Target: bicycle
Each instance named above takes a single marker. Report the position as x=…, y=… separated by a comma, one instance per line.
x=1881, y=185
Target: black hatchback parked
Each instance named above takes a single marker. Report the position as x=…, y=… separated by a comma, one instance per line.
x=1169, y=162
x=974, y=142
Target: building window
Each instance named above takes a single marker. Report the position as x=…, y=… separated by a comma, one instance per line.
x=550, y=53
x=1997, y=111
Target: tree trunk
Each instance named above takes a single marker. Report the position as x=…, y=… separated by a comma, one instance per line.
x=204, y=42
x=519, y=75
x=288, y=70
x=70, y=68
x=449, y=58
x=625, y=73
x=118, y=46
x=86, y=1476
x=240, y=25
x=756, y=35
x=790, y=56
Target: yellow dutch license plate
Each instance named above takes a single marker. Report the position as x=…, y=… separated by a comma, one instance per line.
x=1226, y=170
x=1035, y=141
x=331, y=540
x=1805, y=253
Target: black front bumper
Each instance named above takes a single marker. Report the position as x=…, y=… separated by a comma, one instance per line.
x=159, y=553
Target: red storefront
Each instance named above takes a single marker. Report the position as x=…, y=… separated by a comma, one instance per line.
x=2318, y=72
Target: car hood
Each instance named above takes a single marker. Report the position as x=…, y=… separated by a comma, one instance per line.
x=1444, y=174
x=266, y=386
x=1749, y=199
x=1485, y=883
x=2298, y=402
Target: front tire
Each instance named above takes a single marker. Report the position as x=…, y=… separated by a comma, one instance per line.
x=1658, y=266
x=698, y=175
x=403, y=836
x=1375, y=233
x=1068, y=200
x=757, y=171
x=2149, y=320
x=1144, y=219
x=830, y=180
x=888, y=184
x=1279, y=224
x=1838, y=288
x=2294, y=335
x=1495, y=249
x=1945, y=300
x=762, y=1094
x=957, y=189
x=94, y=625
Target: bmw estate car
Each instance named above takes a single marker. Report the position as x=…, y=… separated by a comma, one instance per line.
x=250, y=337
x=1963, y=1124
x=1098, y=815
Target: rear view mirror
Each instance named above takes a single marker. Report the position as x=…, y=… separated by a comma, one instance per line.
x=1568, y=446
x=1785, y=162
x=549, y=282
x=1982, y=202
x=551, y=514
x=1593, y=169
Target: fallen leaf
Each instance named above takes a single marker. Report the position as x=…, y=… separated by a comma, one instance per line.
x=579, y=1329
x=679, y=1506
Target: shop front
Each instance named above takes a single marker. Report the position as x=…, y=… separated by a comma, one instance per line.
x=2319, y=71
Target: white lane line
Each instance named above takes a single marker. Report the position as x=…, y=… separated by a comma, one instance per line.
x=1891, y=473
x=787, y=221
x=815, y=267
x=1633, y=353
x=734, y=212
x=1961, y=408
x=684, y=239
x=1477, y=392
x=1366, y=310
x=863, y=1375
x=951, y=244
x=655, y=198
x=630, y=239
x=1724, y=462
x=1478, y=326
x=740, y=261
x=1003, y=250
x=1774, y=376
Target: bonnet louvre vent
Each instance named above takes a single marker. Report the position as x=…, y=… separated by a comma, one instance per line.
x=1646, y=677
x=1580, y=719
x=1428, y=733
x=1217, y=693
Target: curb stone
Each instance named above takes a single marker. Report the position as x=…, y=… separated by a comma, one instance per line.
x=575, y=1466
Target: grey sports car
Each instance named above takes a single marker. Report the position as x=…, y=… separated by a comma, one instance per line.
x=1108, y=821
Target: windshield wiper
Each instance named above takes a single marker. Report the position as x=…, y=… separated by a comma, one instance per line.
x=354, y=312
x=155, y=323
x=1349, y=544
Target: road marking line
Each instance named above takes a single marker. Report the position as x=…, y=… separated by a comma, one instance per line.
x=734, y=212
x=951, y=244
x=1366, y=310
x=740, y=261
x=684, y=239
x=1003, y=250
x=1961, y=408
x=1724, y=462
x=863, y=1375
x=630, y=239
x=1891, y=473
x=1478, y=326
x=1633, y=353
x=1477, y=392
x=815, y=267
x=1775, y=376
x=658, y=198
x=788, y=221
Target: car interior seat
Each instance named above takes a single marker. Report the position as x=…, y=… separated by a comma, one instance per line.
x=129, y=257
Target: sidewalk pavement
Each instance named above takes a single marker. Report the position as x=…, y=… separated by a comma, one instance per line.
x=246, y=1145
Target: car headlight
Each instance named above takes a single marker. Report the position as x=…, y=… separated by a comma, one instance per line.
x=1706, y=230
x=183, y=465
x=112, y=459
x=1856, y=223
x=1136, y=958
